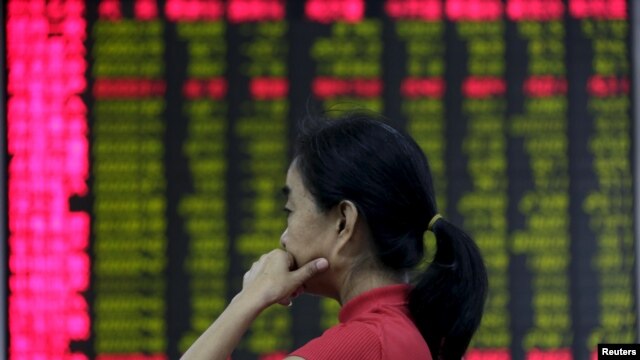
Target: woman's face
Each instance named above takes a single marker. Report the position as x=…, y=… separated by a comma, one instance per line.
x=310, y=233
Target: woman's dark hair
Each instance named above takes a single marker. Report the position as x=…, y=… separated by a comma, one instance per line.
x=386, y=175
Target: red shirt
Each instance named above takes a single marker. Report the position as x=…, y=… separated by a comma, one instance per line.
x=374, y=325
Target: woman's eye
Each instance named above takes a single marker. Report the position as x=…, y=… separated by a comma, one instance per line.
x=286, y=210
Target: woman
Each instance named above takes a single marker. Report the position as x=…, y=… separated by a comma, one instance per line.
x=359, y=199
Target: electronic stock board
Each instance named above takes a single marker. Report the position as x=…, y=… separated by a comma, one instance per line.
x=146, y=141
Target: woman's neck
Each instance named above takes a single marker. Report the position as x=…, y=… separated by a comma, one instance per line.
x=358, y=282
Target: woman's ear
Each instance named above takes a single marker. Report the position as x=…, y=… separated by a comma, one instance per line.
x=348, y=216
x=352, y=236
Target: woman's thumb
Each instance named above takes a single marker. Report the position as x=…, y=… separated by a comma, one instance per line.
x=310, y=269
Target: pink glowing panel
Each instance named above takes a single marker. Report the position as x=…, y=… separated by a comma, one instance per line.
x=78, y=224
x=255, y=10
x=328, y=87
x=75, y=356
x=326, y=11
x=48, y=147
x=73, y=65
x=27, y=302
x=77, y=303
x=428, y=10
x=77, y=263
x=37, y=7
x=17, y=285
x=128, y=88
x=545, y=86
x=192, y=89
x=488, y=354
x=367, y=88
x=110, y=9
x=273, y=356
x=193, y=10
x=606, y=86
x=75, y=27
x=18, y=108
x=74, y=8
x=414, y=87
x=540, y=10
x=473, y=10
x=145, y=9
x=78, y=325
x=214, y=88
x=555, y=354
x=265, y=88
x=20, y=342
x=480, y=87
x=75, y=106
x=76, y=84
x=599, y=9
x=75, y=149
x=55, y=10
x=21, y=203
x=18, y=8
x=131, y=357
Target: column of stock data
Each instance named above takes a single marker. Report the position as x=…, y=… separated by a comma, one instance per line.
x=539, y=174
x=604, y=190
x=127, y=149
x=420, y=27
x=148, y=142
x=203, y=208
x=347, y=56
x=258, y=32
x=49, y=268
x=477, y=107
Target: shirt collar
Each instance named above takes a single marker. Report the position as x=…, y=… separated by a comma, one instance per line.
x=387, y=295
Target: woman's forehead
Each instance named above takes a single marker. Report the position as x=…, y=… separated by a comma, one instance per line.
x=294, y=186
x=292, y=182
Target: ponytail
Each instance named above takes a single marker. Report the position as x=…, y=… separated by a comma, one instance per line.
x=448, y=298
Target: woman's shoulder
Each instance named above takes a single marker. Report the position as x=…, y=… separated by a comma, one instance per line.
x=375, y=325
x=365, y=340
x=353, y=340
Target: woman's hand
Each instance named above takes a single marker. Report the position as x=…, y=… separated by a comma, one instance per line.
x=273, y=278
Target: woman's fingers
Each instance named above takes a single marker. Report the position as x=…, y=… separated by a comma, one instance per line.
x=271, y=278
x=288, y=301
x=303, y=274
x=297, y=293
